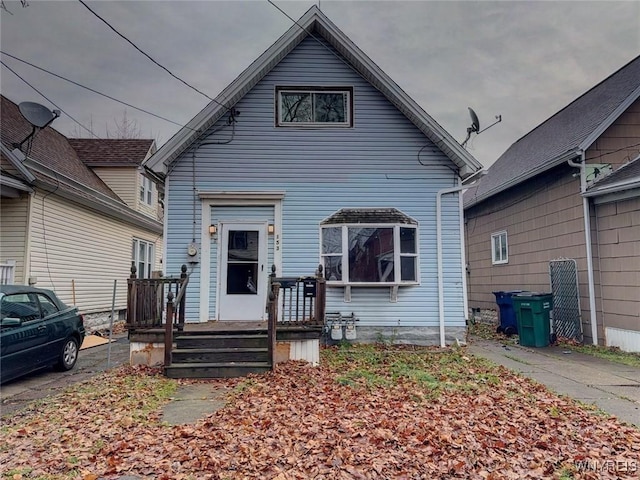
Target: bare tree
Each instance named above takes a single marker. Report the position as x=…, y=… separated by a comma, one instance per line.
x=124, y=128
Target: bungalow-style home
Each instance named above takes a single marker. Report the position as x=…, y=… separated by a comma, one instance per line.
x=75, y=214
x=564, y=201
x=314, y=156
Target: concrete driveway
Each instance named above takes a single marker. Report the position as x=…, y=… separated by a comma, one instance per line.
x=16, y=394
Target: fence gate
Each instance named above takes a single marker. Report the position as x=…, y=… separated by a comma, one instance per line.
x=567, y=320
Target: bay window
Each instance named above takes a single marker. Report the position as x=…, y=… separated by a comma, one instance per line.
x=369, y=247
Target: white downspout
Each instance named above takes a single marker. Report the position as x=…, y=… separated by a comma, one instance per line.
x=587, y=237
x=439, y=195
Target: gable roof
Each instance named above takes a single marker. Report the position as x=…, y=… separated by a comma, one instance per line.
x=315, y=23
x=562, y=137
x=50, y=149
x=53, y=164
x=110, y=152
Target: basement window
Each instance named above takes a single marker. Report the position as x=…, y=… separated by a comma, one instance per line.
x=314, y=106
x=369, y=247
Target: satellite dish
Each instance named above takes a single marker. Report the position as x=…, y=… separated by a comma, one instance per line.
x=475, y=123
x=36, y=114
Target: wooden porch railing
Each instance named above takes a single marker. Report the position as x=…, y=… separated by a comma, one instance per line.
x=146, y=297
x=177, y=315
x=295, y=301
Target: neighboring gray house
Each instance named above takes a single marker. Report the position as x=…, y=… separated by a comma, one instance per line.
x=313, y=155
x=576, y=172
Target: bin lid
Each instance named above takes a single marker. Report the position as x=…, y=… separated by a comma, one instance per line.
x=532, y=294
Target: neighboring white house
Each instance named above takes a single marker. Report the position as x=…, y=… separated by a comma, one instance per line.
x=313, y=155
x=74, y=215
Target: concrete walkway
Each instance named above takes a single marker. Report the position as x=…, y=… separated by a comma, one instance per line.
x=612, y=387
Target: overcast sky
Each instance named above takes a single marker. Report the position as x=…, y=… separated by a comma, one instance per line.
x=522, y=60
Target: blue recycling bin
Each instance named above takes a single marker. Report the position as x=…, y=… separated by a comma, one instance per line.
x=508, y=319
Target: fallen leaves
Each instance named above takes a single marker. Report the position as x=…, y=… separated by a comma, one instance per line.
x=404, y=413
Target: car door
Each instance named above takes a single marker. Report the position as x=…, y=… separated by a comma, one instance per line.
x=23, y=347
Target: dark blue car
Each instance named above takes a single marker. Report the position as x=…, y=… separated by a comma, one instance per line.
x=37, y=330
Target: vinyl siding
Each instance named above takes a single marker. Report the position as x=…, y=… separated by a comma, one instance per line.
x=122, y=180
x=13, y=234
x=71, y=244
x=373, y=164
x=618, y=238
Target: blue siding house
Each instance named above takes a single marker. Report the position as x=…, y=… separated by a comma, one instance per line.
x=313, y=155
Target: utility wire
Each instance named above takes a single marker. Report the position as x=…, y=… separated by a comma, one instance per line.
x=47, y=99
x=148, y=56
x=310, y=34
x=92, y=90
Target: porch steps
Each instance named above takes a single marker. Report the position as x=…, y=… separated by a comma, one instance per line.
x=219, y=354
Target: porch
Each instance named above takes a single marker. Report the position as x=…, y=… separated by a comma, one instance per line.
x=295, y=322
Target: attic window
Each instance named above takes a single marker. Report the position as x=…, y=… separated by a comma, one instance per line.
x=369, y=247
x=314, y=106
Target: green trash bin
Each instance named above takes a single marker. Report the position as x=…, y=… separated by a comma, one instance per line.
x=533, y=316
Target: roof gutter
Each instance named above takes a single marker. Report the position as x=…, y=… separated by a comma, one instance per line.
x=587, y=238
x=559, y=160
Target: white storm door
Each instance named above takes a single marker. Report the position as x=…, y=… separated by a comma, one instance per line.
x=242, y=284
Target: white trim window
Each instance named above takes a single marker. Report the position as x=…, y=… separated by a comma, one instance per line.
x=380, y=249
x=143, y=257
x=314, y=106
x=146, y=190
x=499, y=248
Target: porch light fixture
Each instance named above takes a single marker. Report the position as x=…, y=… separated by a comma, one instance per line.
x=213, y=229
x=271, y=229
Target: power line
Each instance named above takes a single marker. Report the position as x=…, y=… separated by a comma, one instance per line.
x=311, y=34
x=92, y=90
x=46, y=98
x=148, y=56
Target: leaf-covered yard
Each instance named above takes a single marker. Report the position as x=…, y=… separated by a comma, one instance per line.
x=367, y=412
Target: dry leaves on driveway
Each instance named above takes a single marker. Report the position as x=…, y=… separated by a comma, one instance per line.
x=369, y=412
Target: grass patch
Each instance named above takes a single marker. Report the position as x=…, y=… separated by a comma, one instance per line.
x=430, y=371
x=612, y=354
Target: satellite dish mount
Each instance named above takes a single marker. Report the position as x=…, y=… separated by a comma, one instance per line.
x=475, y=125
x=38, y=116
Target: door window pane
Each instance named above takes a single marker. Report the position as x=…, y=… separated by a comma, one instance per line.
x=242, y=262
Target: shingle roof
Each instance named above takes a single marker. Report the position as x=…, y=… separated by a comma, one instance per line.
x=563, y=135
x=49, y=148
x=368, y=215
x=111, y=152
x=626, y=177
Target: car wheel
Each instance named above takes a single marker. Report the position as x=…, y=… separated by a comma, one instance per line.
x=68, y=355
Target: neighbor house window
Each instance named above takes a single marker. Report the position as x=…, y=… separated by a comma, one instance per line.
x=143, y=256
x=499, y=248
x=146, y=189
x=314, y=106
x=369, y=247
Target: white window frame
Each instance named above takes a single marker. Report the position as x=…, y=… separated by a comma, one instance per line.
x=146, y=190
x=397, y=255
x=498, y=241
x=149, y=262
x=348, y=91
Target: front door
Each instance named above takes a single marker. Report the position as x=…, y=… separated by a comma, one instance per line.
x=242, y=284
